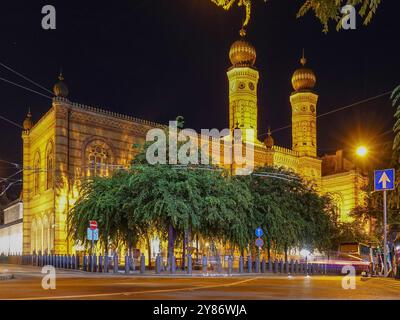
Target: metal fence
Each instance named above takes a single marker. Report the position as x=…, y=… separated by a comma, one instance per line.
x=212, y=265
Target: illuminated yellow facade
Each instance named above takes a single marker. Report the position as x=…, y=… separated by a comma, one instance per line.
x=72, y=142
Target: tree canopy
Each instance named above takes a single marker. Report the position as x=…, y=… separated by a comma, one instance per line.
x=325, y=10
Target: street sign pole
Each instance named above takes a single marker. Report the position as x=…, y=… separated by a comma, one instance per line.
x=384, y=180
x=385, y=253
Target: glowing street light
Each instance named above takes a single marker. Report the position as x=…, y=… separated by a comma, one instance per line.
x=362, y=151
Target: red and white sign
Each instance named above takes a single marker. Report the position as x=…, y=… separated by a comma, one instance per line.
x=93, y=225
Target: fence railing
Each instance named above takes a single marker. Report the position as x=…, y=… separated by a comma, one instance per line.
x=206, y=265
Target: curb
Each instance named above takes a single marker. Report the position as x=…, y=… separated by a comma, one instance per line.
x=6, y=277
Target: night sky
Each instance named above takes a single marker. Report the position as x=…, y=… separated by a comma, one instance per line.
x=156, y=59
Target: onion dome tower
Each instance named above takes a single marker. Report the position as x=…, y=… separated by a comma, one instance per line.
x=304, y=111
x=60, y=89
x=243, y=81
x=269, y=141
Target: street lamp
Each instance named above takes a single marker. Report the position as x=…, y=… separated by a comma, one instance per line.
x=362, y=151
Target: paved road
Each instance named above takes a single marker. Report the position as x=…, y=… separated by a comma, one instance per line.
x=78, y=285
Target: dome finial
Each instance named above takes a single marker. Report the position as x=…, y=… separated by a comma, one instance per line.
x=27, y=125
x=303, y=59
x=61, y=76
x=242, y=32
x=60, y=89
x=269, y=141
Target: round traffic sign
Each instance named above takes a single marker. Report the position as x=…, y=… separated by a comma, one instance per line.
x=259, y=232
x=93, y=224
x=259, y=242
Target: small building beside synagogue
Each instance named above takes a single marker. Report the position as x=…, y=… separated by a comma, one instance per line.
x=11, y=230
x=73, y=142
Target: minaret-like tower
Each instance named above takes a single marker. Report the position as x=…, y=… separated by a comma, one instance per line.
x=243, y=82
x=304, y=111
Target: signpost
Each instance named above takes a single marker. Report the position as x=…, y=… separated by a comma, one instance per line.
x=93, y=233
x=384, y=180
x=259, y=242
x=259, y=232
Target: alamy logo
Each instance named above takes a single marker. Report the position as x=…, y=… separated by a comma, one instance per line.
x=196, y=149
x=49, y=280
x=349, y=280
x=349, y=19
x=49, y=20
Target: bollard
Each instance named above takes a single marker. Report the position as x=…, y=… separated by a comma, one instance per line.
x=189, y=264
x=281, y=266
x=241, y=264
x=142, y=263
x=94, y=263
x=73, y=262
x=106, y=263
x=84, y=267
x=219, y=264
x=291, y=267
x=257, y=265
x=101, y=262
x=263, y=266
x=204, y=264
x=249, y=264
x=158, y=264
x=230, y=265
x=115, y=264
x=173, y=265
x=127, y=264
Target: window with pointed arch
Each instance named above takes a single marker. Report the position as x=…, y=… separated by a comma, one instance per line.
x=36, y=174
x=338, y=204
x=50, y=166
x=98, y=158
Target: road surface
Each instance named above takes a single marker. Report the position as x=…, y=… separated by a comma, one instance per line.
x=27, y=282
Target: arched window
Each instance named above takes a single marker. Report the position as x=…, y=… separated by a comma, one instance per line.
x=39, y=236
x=36, y=174
x=98, y=158
x=50, y=166
x=338, y=205
x=33, y=236
x=46, y=235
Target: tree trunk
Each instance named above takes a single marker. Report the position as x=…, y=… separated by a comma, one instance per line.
x=197, y=246
x=171, y=242
x=269, y=249
x=148, y=248
x=286, y=253
x=184, y=244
